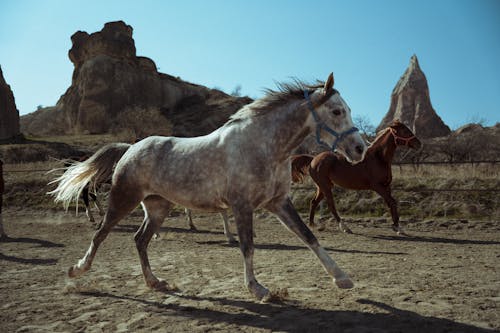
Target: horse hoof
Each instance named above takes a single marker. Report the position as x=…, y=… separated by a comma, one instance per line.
x=73, y=272
x=263, y=295
x=346, y=230
x=160, y=285
x=344, y=283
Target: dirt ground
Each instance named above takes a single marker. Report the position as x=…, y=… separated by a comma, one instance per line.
x=444, y=278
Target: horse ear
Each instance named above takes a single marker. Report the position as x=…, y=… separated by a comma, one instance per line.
x=329, y=83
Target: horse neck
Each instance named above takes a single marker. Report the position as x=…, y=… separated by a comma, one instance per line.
x=285, y=129
x=384, y=146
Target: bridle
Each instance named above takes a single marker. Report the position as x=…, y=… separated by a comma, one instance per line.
x=396, y=137
x=320, y=125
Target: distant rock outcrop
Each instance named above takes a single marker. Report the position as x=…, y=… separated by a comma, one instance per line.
x=9, y=115
x=411, y=104
x=110, y=82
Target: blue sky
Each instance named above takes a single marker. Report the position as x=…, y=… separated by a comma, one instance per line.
x=225, y=43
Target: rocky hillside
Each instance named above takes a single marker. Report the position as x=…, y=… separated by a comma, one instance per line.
x=111, y=85
x=411, y=103
x=9, y=115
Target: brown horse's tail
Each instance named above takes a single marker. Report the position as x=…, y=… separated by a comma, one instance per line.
x=96, y=170
x=300, y=167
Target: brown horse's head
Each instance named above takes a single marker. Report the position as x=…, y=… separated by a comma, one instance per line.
x=403, y=136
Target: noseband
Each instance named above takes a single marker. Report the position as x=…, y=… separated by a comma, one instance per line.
x=320, y=125
x=397, y=137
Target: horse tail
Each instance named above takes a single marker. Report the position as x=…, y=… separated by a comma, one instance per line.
x=96, y=170
x=300, y=167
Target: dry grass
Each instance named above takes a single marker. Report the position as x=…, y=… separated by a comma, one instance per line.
x=26, y=186
x=453, y=171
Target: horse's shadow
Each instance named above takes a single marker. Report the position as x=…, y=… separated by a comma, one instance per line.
x=31, y=261
x=132, y=228
x=430, y=239
x=285, y=247
x=292, y=317
x=39, y=242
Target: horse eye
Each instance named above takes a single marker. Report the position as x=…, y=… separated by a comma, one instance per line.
x=337, y=112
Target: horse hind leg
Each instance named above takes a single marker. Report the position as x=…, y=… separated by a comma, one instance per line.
x=121, y=203
x=155, y=210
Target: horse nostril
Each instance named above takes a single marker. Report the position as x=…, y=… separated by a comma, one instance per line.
x=359, y=149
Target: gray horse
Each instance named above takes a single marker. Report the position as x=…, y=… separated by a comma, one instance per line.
x=242, y=166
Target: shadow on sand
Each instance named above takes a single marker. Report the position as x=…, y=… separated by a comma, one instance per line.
x=132, y=228
x=430, y=239
x=39, y=242
x=289, y=317
x=31, y=261
x=285, y=247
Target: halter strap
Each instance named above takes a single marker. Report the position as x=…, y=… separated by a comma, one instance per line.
x=397, y=137
x=320, y=125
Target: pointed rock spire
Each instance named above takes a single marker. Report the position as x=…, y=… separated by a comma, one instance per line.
x=411, y=104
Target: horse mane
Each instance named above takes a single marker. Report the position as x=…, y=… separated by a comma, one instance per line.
x=379, y=136
x=285, y=92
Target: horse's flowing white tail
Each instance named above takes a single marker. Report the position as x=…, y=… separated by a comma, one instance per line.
x=94, y=171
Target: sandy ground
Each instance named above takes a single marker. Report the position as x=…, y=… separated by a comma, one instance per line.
x=445, y=278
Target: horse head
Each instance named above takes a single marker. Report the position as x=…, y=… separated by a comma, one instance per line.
x=334, y=126
x=403, y=136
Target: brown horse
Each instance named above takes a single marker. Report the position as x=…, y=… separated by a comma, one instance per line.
x=373, y=173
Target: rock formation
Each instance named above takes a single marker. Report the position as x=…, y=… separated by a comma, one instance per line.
x=9, y=115
x=109, y=81
x=410, y=103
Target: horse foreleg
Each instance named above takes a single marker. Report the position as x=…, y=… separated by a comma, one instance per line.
x=227, y=232
x=96, y=203
x=331, y=205
x=155, y=211
x=244, y=223
x=85, y=197
x=314, y=205
x=385, y=193
x=191, y=226
x=291, y=219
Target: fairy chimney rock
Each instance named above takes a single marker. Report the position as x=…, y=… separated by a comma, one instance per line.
x=411, y=104
x=110, y=80
x=9, y=115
